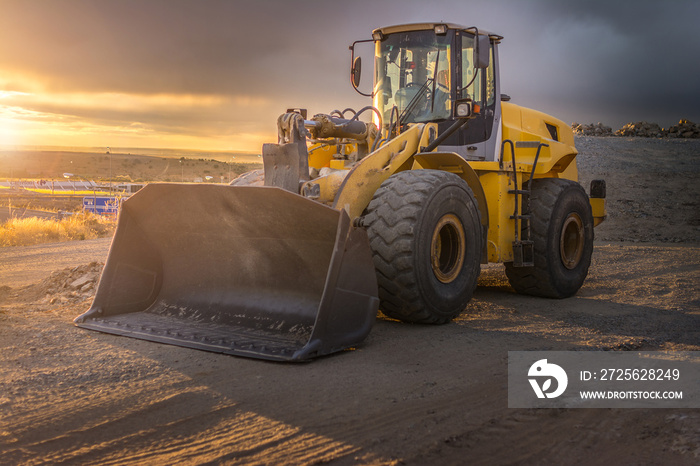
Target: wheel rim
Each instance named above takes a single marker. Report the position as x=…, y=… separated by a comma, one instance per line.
x=447, y=248
x=571, y=241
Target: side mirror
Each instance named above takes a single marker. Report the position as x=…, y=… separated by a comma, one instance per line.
x=482, y=52
x=356, y=72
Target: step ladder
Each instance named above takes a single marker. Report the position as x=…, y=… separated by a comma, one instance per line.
x=523, y=245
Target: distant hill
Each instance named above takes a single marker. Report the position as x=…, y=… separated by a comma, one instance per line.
x=52, y=164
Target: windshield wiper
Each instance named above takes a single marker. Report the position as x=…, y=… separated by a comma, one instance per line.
x=414, y=101
x=423, y=90
x=435, y=71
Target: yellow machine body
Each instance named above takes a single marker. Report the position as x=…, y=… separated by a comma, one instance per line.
x=490, y=181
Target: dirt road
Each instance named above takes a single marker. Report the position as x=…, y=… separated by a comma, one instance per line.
x=410, y=394
x=30, y=264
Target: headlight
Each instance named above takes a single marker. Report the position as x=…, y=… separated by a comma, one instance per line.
x=463, y=109
x=440, y=29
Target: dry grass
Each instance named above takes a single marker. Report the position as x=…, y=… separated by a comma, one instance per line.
x=28, y=231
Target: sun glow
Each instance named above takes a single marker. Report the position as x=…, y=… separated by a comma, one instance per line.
x=36, y=115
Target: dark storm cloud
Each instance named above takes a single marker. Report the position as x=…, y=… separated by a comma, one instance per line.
x=614, y=61
x=176, y=46
x=143, y=46
x=275, y=54
x=617, y=60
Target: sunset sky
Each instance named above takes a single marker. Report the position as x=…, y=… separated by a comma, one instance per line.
x=214, y=75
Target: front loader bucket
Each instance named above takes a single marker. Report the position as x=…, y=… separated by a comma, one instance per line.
x=250, y=271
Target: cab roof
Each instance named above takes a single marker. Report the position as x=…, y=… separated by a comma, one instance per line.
x=431, y=26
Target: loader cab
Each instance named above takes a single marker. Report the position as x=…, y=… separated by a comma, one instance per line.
x=421, y=69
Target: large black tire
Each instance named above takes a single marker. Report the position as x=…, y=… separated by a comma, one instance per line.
x=250, y=178
x=425, y=232
x=562, y=230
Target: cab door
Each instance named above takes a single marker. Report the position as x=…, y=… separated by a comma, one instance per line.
x=479, y=139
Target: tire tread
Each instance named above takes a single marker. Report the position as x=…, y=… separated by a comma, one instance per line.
x=538, y=280
x=391, y=218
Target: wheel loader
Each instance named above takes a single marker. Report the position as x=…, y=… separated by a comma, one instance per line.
x=392, y=207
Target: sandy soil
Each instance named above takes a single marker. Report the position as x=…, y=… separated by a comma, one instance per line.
x=409, y=395
x=30, y=264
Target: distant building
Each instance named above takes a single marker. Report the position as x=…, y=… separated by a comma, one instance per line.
x=130, y=188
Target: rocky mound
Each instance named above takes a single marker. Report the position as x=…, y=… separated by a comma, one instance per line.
x=641, y=129
x=599, y=129
x=70, y=285
x=684, y=129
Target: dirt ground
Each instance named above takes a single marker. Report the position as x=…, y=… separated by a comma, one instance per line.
x=410, y=394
